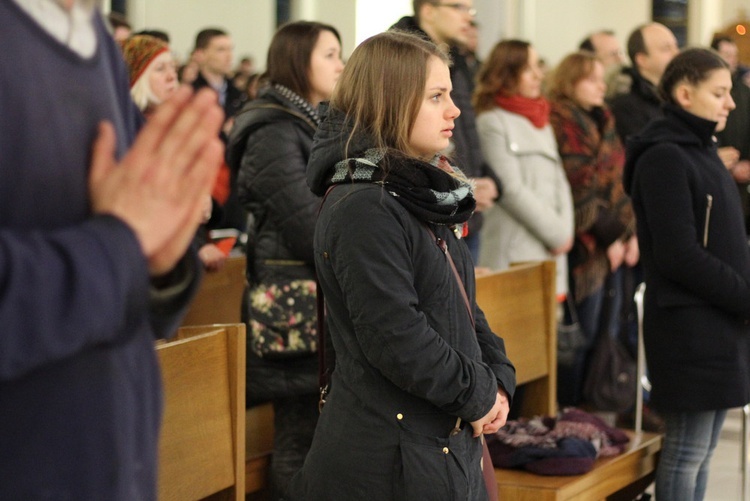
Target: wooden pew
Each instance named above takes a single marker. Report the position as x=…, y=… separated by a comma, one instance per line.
x=219, y=298
x=218, y=301
x=520, y=307
x=201, y=447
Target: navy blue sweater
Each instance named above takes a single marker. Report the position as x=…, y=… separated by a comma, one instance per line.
x=80, y=394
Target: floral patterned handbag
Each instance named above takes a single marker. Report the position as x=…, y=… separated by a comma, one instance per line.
x=283, y=319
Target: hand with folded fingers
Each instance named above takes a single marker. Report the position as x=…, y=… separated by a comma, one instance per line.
x=160, y=186
x=495, y=418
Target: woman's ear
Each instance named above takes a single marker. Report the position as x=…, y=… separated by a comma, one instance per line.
x=683, y=94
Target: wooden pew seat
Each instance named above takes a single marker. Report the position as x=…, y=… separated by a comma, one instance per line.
x=519, y=304
x=618, y=478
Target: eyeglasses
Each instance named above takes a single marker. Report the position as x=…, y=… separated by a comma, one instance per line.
x=464, y=9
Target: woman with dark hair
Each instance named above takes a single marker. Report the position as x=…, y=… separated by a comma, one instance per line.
x=697, y=269
x=533, y=220
x=604, y=224
x=419, y=376
x=269, y=148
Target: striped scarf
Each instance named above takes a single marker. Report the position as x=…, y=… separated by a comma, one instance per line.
x=434, y=192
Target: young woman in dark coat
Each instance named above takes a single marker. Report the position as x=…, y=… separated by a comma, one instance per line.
x=269, y=147
x=697, y=269
x=419, y=376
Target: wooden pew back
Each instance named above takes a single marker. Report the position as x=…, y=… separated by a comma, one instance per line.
x=218, y=301
x=201, y=448
x=520, y=306
x=219, y=298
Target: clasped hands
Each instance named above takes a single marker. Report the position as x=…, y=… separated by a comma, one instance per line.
x=495, y=418
x=160, y=186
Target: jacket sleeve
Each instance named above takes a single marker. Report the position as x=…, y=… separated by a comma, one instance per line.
x=493, y=354
x=272, y=182
x=374, y=268
x=63, y=291
x=537, y=215
x=662, y=187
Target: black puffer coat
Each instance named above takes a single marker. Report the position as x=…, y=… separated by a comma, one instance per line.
x=696, y=264
x=408, y=361
x=268, y=149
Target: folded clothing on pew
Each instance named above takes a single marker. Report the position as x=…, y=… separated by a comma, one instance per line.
x=565, y=445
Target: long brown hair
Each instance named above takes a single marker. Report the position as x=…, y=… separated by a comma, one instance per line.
x=382, y=87
x=571, y=70
x=288, y=61
x=500, y=73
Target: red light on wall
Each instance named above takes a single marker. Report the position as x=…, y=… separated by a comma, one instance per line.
x=741, y=30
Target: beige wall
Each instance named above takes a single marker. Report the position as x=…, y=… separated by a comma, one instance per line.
x=555, y=27
x=251, y=23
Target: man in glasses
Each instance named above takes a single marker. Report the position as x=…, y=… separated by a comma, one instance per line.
x=448, y=23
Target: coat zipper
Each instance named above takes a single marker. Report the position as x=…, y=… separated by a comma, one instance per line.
x=709, y=204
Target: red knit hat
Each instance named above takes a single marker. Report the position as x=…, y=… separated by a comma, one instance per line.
x=139, y=51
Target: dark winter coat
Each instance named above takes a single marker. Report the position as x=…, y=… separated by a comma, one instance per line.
x=635, y=109
x=268, y=148
x=696, y=264
x=408, y=361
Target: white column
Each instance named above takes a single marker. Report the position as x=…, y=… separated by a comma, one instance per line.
x=704, y=19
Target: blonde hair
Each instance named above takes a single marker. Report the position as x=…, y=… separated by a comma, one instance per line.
x=141, y=92
x=382, y=86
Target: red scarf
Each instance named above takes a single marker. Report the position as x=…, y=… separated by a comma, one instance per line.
x=536, y=110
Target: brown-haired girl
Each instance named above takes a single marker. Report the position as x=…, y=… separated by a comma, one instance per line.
x=419, y=376
x=269, y=148
x=696, y=264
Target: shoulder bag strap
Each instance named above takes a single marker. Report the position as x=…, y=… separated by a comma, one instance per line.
x=444, y=247
x=488, y=470
x=325, y=366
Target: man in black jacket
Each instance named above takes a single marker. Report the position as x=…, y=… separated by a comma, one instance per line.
x=448, y=23
x=214, y=51
x=650, y=47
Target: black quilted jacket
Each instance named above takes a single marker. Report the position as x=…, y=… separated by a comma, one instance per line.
x=268, y=151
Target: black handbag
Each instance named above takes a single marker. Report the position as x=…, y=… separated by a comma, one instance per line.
x=610, y=384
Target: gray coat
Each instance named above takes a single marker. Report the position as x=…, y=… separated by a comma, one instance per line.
x=535, y=213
